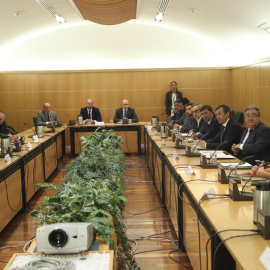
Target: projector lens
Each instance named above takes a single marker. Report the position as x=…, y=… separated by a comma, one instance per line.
x=58, y=238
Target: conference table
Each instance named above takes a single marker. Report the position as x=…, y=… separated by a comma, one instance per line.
x=131, y=134
x=38, y=159
x=33, y=164
x=196, y=219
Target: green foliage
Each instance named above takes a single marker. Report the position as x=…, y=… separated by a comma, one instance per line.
x=92, y=191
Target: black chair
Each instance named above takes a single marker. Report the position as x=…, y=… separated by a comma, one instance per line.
x=239, y=117
x=11, y=130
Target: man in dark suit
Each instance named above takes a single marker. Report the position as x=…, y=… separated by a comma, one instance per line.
x=46, y=116
x=90, y=113
x=229, y=133
x=255, y=140
x=184, y=123
x=210, y=126
x=125, y=113
x=197, y=120
x=4, y=128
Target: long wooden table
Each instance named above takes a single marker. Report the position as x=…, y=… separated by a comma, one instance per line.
x=215, y=215
x=131, y=133
x=27, y=168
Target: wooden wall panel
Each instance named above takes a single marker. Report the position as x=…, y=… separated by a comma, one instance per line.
x=23, y=93
x=251, y=86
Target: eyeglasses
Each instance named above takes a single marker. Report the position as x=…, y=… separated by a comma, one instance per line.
x=195, y=111
x=251, y=115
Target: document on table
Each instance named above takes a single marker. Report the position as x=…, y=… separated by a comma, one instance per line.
x=245, y=165
x=220, y=154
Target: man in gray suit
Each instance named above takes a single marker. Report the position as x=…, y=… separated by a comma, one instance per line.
x=46, y=116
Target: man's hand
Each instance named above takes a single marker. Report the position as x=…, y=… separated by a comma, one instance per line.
x=235, y=148
x=168, y=118
x=89, y=120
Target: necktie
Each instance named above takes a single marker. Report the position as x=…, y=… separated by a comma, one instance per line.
x=207, y=128
x=189, y=121
x=222, y=128
x=125, y=114
x=48, y=116
x=89, y=114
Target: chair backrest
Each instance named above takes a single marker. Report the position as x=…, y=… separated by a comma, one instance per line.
x=35, y=121
x=11, y=130
x=239, y=117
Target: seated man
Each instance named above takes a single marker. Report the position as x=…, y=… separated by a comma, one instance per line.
x=185, y=121
x=175, y=118
x=46, y=116
x=4, y=128
x=90, y=113
x=197, y=120
x=125, y=113
x=255, y=140
x=229, y=133
x=210, y=126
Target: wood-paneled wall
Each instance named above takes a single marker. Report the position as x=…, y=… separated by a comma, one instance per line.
x=23, y=93
x=251, y=86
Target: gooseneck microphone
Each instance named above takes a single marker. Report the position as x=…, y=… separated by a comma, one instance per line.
x=240, y=163
x=217, y=149
x=30, y=136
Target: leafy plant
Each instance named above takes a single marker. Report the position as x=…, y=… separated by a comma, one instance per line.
x=92, y=191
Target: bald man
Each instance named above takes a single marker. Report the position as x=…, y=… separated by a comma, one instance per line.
x=46, y=116
x=125, y=113
x=90, y=113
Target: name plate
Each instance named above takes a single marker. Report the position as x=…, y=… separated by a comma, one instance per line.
x=7, y=158
x=175, y=155
x=189, y=170
x=35, y=138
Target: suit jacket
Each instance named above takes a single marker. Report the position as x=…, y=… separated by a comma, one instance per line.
x=213, y=129
x=96, y=115
x=168, y=100
x=177, y=115
x=257, y=143
x=42, y=117
x=232, y=134
x=194, y=125
x=185, y=121
x=3, y=129
x=130, y=115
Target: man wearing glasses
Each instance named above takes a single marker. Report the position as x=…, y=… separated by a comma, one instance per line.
x=255, y=140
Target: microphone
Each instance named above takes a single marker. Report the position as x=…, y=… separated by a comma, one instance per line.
x=240, y=163
x=71, y=122
x=262, y=165
x=30, y=136
x=216, y=150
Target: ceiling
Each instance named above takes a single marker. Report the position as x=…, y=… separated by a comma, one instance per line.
x=218, y=33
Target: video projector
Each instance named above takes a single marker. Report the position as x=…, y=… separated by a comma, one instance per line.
x=64, y=237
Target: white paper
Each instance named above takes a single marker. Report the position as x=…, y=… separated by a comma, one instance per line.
x=99, y=123
x=155, y=132
x=220, y=154
x=227, y=164
x=265, y=258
